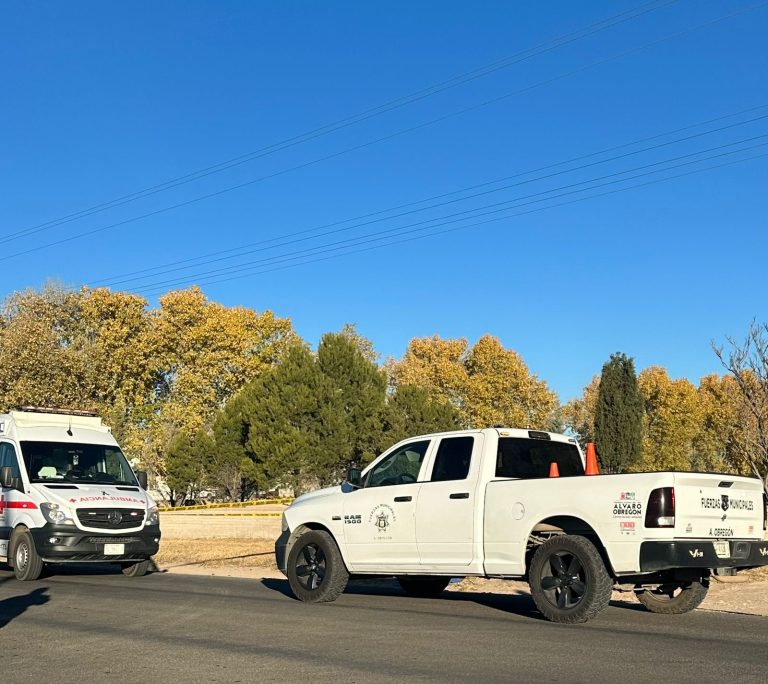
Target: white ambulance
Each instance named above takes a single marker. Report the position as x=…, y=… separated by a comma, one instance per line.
x=69, y=495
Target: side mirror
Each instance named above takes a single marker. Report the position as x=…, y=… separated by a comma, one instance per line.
x=354, y=477
x=6, y=477
x=141, y=476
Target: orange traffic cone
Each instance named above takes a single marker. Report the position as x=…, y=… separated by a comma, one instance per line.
x=591, y=468
x=554, y=471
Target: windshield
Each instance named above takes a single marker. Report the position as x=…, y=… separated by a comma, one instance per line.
x=80, y=463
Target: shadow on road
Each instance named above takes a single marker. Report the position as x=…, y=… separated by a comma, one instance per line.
x=11, y=608
x=518, y=604
x=218, y=558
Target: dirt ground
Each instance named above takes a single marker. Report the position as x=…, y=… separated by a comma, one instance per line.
x=254, y=558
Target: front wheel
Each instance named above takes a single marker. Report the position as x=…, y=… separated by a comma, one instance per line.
x=568, y=579
x=316, y=570
x=27, y=564
x=423, y=586
x=674, y=598
x=136, y=569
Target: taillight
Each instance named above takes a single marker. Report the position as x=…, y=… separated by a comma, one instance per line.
x=765, y=511
x=661, y=508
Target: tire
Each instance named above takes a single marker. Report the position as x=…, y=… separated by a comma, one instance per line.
x=568, y=579
x=315, y=568
x=423, y=586
x=136, y=569
x=674, y=598
x=27, y=564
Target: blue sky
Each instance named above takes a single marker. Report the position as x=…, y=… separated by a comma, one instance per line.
x=104, y=99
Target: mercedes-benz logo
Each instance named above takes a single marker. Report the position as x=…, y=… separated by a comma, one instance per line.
x=115, y=517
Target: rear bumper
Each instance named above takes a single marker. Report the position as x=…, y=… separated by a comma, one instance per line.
x=64, y=544
x=666, y=555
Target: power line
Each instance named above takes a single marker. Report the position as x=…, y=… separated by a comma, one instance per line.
x=149, y=291
x=165, y=268
x=386, y=107
x=392, y=135
x=117, y=280
x=494, y=208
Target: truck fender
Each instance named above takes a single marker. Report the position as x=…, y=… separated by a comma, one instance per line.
x=305, y=527
x=569, y=523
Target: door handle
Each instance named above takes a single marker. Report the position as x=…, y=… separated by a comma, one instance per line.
x=460, y=495
x=402, y=498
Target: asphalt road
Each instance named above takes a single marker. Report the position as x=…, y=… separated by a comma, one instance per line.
x=177, y=628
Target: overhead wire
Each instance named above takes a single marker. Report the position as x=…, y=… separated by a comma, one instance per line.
x=453, y=82
x=494, y=208
x=154, y=290
x=395, y=134
x=164, y=268
x=119, y=280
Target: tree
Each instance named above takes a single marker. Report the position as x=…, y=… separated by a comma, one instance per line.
x=747, y=363
x=361, y=388
x=487, y=384
x=579, y=414
x=185, y=466
x=619, y=415
x=673, y=420
x=411, y=411
x=294, y=424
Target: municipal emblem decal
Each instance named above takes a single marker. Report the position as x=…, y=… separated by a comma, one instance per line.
x=724, y=502
x=382, y=518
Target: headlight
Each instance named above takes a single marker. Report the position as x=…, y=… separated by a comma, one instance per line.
x=53, y=513
x=283, y=523
x=153, y=516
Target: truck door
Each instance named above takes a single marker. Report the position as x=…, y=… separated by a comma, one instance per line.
x=445, y=512
x=379, y=518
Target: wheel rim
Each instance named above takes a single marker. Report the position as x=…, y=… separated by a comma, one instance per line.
x=311, y=566
x=563, y=580
x=22, y=555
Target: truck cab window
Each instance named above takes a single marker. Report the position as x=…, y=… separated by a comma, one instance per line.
x=531, y=458
x=453, y=459
x=400, y=467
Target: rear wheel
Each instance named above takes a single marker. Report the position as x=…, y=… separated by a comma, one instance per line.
x=136, y=569
x=316, y=570
x=675, y=598
x=423, y=586
x=27, y=564
x=568, y=579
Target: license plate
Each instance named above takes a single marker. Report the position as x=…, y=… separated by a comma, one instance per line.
x=114, y=549
x=722, y=549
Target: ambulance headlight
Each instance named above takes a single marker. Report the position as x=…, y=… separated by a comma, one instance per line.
x=53, y=513
x=153, y=516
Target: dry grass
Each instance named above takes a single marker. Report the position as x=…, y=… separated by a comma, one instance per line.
x=216, y=553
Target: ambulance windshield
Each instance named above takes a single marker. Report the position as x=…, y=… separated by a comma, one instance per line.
x=77, y=463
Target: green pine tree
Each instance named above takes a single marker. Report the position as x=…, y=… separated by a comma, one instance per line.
x=619, y=415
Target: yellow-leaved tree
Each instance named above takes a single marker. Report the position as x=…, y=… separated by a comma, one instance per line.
x=488, y=384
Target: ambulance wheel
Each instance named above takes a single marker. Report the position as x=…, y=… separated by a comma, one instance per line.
x=27, y=564
x=136, y=569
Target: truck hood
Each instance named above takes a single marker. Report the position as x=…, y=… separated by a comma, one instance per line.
x=319, y=494
x=94, y=496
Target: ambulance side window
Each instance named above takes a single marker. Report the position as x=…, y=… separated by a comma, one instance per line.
x=8, y=458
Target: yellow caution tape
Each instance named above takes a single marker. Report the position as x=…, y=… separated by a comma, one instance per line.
x=230, y=504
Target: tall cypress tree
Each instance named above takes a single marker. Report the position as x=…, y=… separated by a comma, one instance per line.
x=619, y=415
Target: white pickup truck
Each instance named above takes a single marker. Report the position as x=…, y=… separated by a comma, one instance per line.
x=480, y=503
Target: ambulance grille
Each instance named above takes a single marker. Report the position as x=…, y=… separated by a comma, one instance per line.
x=110, y=518
x=114, y=540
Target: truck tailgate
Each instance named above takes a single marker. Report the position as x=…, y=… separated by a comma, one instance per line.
x=718, y=506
